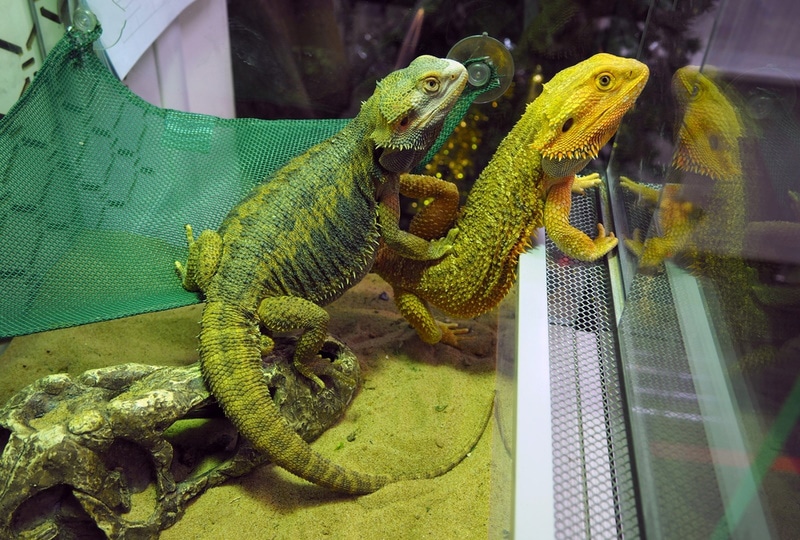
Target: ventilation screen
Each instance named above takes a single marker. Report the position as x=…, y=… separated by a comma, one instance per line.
x=592, y=471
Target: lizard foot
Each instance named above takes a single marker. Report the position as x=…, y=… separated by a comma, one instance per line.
x=320, y=366
x=604, y=242
x=312, y=369
x=582, y=183
x=450, y=333
x=202, y=261
x=181, y=270
x=650, y=254
x=266, y=344
x=635, y=244
x=441, y=247
x=646, y=194
x=189, y=242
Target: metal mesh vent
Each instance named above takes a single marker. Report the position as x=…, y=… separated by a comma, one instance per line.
x=594, y=488
x=666, y=416
x=666, y=419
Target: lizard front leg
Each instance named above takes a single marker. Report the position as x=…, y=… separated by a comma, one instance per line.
x=202, y=261
x=675, y=219
x=652, y=251
x=404, y=243
x=582, y=183
x=415, y=310
x=288, y=313
x=645, y=193
x=571, y=241
x=434, y=219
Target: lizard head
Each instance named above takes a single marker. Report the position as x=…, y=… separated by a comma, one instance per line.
x=584, y=106
x=411, y=106
x=710, y=127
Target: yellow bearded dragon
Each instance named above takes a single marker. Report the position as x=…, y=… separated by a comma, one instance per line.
x=710, y=209
x=704, y=216
x=528, y=183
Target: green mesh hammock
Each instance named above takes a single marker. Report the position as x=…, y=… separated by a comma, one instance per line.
x=96, y=186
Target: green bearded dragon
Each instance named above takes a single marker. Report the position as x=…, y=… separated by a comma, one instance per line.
x=528, y=183
x=298, y=241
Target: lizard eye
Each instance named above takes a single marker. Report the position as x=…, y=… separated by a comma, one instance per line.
x=568, y=124
x=604, y=81
x=431, y=85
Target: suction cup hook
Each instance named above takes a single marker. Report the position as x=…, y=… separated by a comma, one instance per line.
x=773, y=95
x=492, y=52
x=84, y=20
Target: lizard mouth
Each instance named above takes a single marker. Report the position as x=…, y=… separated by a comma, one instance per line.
x=587, y=144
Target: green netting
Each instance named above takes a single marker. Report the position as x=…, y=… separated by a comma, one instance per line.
x=96, y=185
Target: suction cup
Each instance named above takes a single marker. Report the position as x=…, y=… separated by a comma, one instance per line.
x=493, y=53
x=84, y=20
x=771, y=92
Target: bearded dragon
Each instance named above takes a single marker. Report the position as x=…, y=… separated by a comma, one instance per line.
x=710, y=196
x=702, y=212
x=528, y=183
x=298, y=241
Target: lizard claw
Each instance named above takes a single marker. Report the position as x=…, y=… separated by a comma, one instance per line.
x=646, y=195
x=604, y=242
x=450, y=331
x=582, y=183
x=181, y=270
x=443, y=246
x=189, y=242
x=332, y=371
x=627, y=183
x=635, y=243
x=310, y=371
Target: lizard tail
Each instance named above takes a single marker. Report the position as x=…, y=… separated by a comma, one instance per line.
x=230, y=359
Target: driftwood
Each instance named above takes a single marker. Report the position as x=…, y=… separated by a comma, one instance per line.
x=119, y=452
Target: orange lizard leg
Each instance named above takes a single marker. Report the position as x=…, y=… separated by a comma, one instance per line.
x=416, y=312
x=646, y=194
x=570, y=240
x=651, y=252
x=635, y=244
x=676, y=219
x=658, y=248
x=435, y=218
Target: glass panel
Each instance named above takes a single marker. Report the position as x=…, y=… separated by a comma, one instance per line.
x=706, y=200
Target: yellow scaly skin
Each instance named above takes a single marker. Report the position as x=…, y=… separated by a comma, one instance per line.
x=707, y=224
x=298, y=241
x=527, y=184
x=707, y=145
